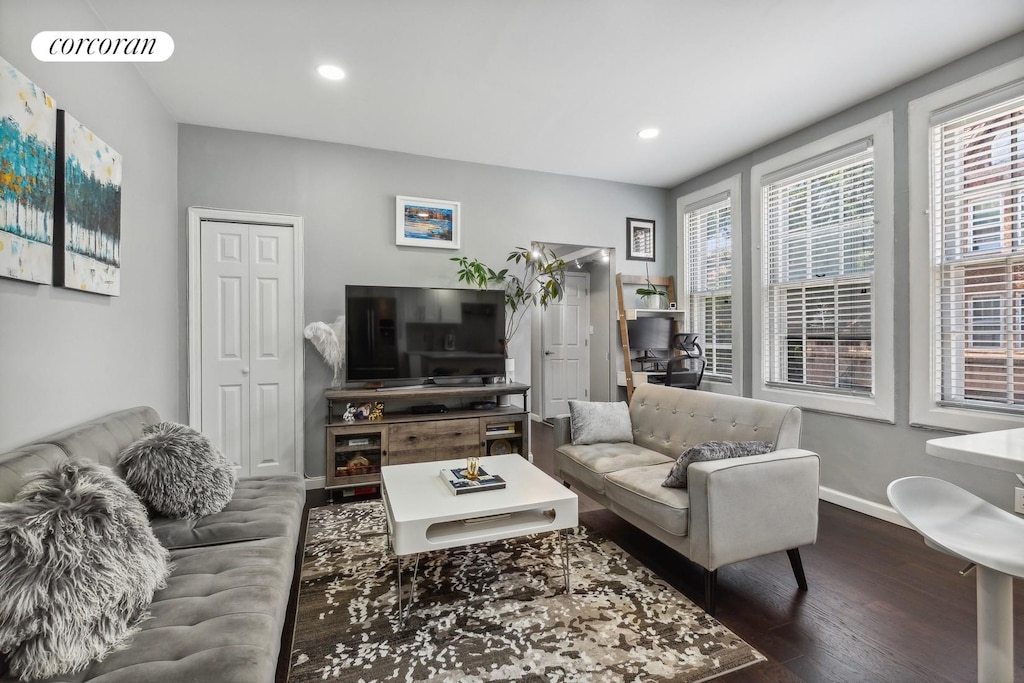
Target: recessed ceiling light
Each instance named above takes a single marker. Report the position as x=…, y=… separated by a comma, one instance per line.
x=648, y=133
x=330, y=72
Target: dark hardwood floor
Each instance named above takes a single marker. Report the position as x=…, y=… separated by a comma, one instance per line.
x=881, y=606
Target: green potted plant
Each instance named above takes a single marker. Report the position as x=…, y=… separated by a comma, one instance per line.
x=651, y=296
x=539, y=281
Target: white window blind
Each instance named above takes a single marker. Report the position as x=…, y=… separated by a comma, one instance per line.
x=818, y=230
x=977, y=222
x=708, y=235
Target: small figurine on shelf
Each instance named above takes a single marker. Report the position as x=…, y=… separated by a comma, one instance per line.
x=350, y=413
x=370, y=411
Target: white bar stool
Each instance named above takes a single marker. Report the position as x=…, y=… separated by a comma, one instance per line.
x=959, y=523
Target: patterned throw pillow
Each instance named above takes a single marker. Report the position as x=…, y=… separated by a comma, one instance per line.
x=78, y=568
x=595, y=422
x=713, y=450
x=178, y=472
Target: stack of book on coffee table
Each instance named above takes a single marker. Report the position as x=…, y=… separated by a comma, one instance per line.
x=460, y=482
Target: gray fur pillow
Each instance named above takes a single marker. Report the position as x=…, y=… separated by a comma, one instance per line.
x=177, y=471
x=78, y=568
x=713, y=450
x=597, y=422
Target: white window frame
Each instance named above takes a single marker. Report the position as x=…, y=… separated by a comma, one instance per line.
x=881, y=404
x=925, y=410
x=734, y=188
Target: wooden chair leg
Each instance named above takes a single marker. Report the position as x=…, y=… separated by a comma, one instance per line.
x=798, y=568
x=710, y=590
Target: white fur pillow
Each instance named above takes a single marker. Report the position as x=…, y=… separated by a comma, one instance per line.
x=177, y=471
x=597, y=422
x=78, y=568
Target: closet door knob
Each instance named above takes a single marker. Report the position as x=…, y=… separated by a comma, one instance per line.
x=245, y=371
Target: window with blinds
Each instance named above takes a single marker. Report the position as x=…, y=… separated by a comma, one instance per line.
x=977, y=225
x=708, y=235
x=818, y=229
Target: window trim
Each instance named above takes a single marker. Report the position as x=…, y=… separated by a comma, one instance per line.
x=881, y=405
x=732, y=186
x=925, y=410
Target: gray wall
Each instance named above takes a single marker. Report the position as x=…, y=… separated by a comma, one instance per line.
x=69, y=356
x=346, y=196
x=860, y=457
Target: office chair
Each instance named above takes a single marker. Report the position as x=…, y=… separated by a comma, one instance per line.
x=685, y=371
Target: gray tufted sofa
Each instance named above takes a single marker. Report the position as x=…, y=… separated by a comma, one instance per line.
x=220, y=618
x=733, y=509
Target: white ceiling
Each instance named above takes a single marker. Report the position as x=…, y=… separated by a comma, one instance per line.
x=549, y=85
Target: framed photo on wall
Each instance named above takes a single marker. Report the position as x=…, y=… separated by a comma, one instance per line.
x=28, y=131
x=434, y=223
x=88, y=221
x=639, y=239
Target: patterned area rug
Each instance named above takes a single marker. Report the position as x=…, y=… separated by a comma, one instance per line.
x=495, y=612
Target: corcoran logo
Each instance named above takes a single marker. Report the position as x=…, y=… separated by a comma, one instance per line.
x=102, y=46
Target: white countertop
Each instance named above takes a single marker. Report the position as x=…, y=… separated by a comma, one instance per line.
x=1001, y=450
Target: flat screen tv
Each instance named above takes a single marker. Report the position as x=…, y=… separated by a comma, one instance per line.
x=399, y=336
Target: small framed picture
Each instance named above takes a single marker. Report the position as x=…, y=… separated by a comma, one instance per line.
x=639, y=239
x=434, y=223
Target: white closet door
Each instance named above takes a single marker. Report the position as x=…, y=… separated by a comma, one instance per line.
x=225, y=339
x=249, y=344
x=272, y=350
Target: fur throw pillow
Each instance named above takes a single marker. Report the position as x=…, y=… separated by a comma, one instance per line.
x=599, y=422
x=78, y=568
x=712, y=450
x=177, y=471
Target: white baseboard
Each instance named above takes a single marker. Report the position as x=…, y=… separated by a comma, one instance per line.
x=315, y=483
x=867, y=507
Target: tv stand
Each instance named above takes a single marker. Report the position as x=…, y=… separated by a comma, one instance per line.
x=357, y=450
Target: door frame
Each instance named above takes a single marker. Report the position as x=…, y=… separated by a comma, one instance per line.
x=196, y=215
x=611, y=325
x=585, y=334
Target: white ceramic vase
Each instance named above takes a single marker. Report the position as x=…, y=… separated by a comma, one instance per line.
x=654, y=302
x=510, y=370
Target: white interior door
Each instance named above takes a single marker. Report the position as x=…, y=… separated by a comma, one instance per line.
x=565, y=336
x=248, y=344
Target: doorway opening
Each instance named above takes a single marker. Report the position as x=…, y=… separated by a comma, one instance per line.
x=574, y=339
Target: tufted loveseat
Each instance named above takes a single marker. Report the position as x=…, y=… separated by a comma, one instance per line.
x=221, y=617
x=733, y=509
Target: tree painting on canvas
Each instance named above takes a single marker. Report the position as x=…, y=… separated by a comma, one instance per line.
x=91, y=229
x=28, y=135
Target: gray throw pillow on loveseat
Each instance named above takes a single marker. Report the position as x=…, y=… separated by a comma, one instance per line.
x=78, y=568
x=713, y=450
x=599, y=422
x=177, y=471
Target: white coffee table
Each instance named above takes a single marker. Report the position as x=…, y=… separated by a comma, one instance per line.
x=424, y=515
